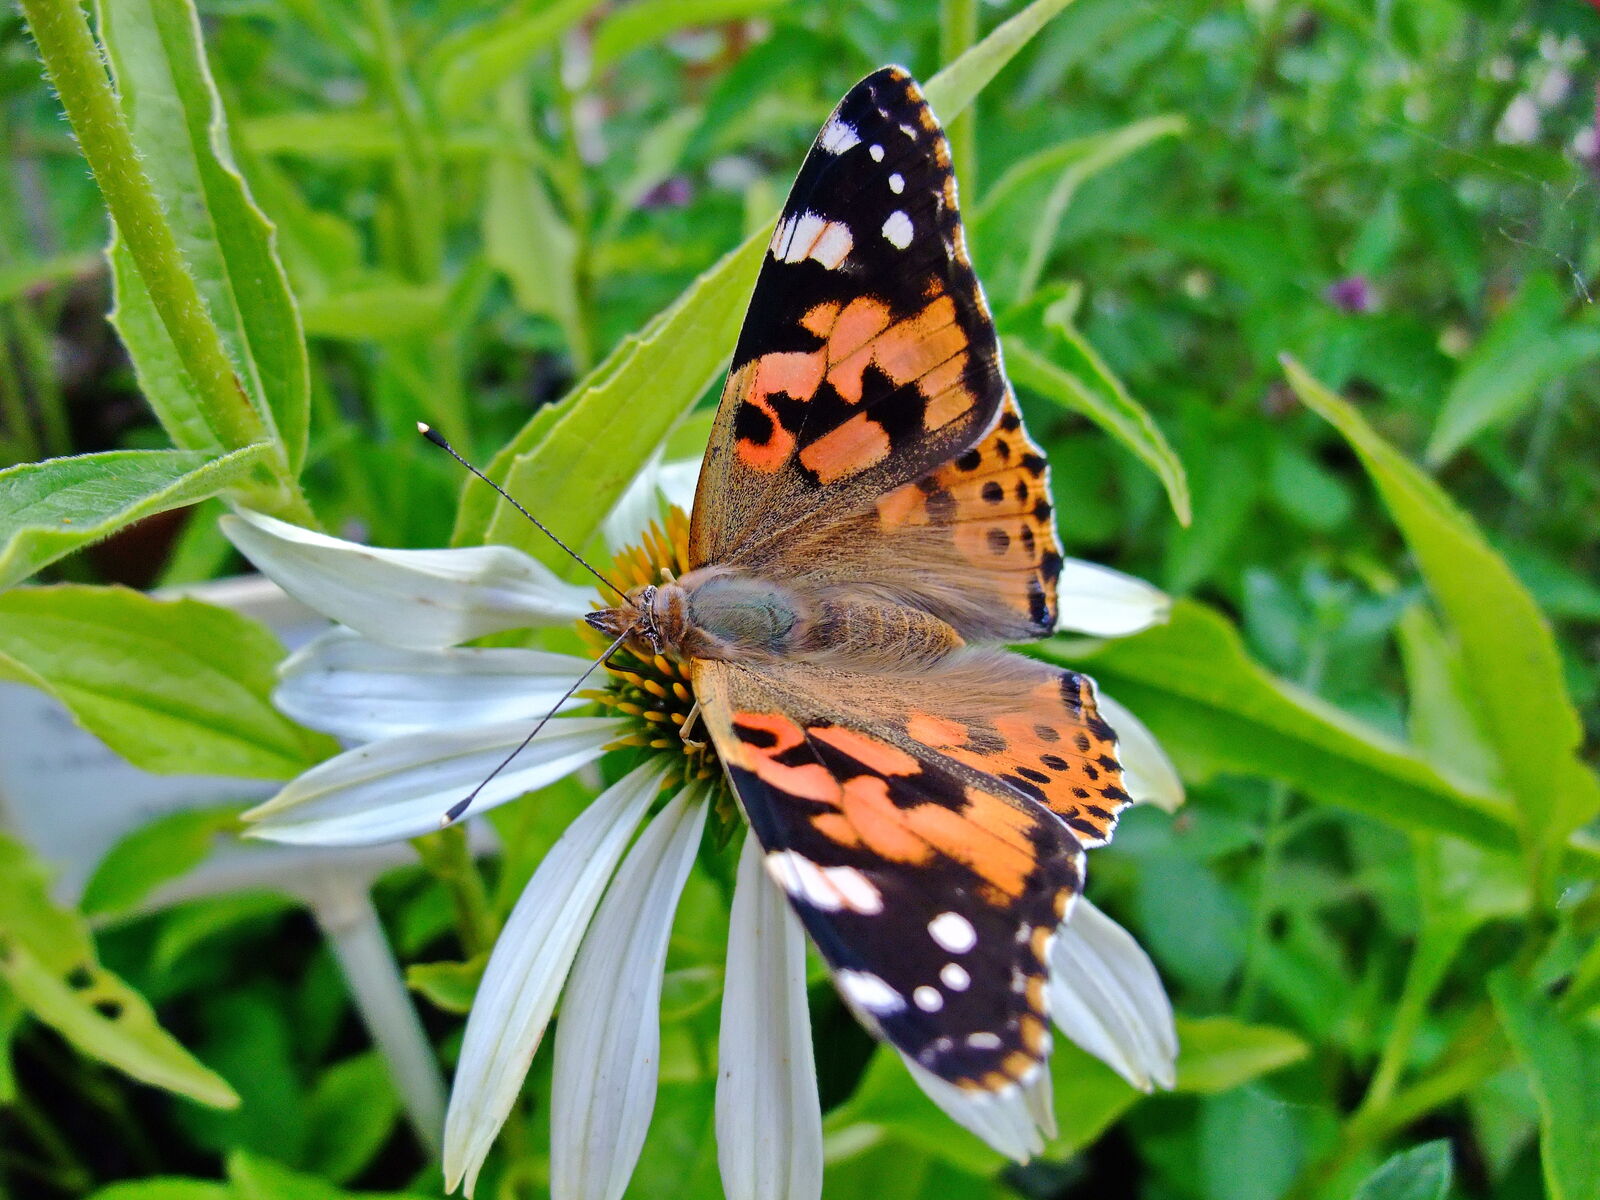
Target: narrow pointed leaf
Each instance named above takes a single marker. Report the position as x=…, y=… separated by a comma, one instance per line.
x=1506, y=643
x=176, y=118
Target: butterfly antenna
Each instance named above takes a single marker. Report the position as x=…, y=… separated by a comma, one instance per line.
x=437, y=438
x=455, y=811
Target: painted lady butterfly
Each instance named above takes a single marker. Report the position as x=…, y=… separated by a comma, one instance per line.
x=870, y=507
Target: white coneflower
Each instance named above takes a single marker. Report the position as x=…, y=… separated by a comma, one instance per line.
x=428, y=720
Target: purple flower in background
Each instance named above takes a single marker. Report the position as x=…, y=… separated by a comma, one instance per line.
x=1353, y=294
x=672, y=192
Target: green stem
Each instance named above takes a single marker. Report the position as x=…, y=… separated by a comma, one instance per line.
x=77, y=71
x=1474, y=1054
x=448, y=857
x=416, y=166
x=64, y=1165
x=958, y=32
x=580, y=331
x=1274, y=837
x=13, y=408
x=34, y=345
x=1436, y=948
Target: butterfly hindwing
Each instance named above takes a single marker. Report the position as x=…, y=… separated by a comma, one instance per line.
x=867, y=357
x=932, y=896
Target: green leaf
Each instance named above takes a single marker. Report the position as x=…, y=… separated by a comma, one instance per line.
x=470, y=65
x=377, y=310
x=1528, y=345
x=1215, y=710
x=176, y=118
x=1070, y=163
x=168, y=1187
x=1079, y=380
x=570, y=449
x=18, y=279
x=12, y=1016
x=258, y=1178
x=448, y=985
x=1506, y=645
x=1214, y=1054
x=1218, y=1053
x=644, y=386
x=165, y=849
x=958, y=84
x=1421, y=1173
x=528, y=241
x=643, y=22
x=48, y=961
x=49, y=509
x=172, y=686
x=1562, y=1059
x=352, y=1111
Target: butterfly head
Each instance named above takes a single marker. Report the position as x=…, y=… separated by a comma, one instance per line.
x=653, y=620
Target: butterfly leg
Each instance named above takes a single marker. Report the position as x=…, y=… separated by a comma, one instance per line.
x=689, y=723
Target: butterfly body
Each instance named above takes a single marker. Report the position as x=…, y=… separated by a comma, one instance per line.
x=721, y=615
x=871, y=520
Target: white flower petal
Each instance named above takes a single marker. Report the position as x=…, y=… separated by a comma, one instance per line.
x=657, y=486
x=350, y=686
x=530, y=963
x=769, y=1123
x=1106, y=996
x=608, y=1041
x=636, y=508
x=420, y=598
x=402, y=787
x=1041, y=1098
x=678, y=482
x=1147, y=773
x=1097, y=600
x=1004, y=1119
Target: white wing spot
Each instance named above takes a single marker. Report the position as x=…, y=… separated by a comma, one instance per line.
x=897, y=183
x=955, y=977
x=897, y=229
x=810, y=235
x=954, y=932
x=876, y=151
x=928, y=999
x=983, y=1041
x=838, y=136
x=827, y=888
x=870, y=992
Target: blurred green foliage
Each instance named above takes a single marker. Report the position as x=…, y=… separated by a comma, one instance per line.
x=1380, y=936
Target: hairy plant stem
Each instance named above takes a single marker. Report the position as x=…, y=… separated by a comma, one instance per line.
x=448, y=858
x=74, y=64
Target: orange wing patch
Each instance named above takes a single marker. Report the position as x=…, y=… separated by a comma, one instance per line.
x=1055, y=748
x=981, y=831
x=928, y=348
x=995, y=501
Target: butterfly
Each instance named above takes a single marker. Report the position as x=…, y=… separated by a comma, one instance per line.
x=871, y=523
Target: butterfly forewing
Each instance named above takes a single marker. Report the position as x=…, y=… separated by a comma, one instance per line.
x=867, y=358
